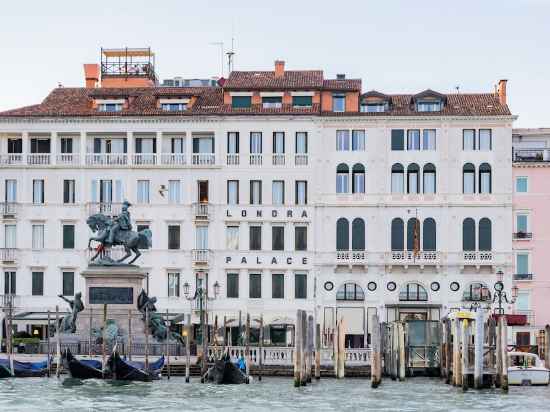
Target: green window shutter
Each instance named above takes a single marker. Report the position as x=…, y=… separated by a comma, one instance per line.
x=239, y=102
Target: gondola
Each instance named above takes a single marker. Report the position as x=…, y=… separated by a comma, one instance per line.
x=83, y=368
x=23, y=369
x=224, y=372
x=125, y=370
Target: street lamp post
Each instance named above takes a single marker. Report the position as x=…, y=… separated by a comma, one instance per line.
x=501, y=295
x=201, y=295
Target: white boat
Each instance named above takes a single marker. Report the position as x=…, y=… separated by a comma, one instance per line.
x=526, y=369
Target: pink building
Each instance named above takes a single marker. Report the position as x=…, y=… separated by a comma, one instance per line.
x=531, y=237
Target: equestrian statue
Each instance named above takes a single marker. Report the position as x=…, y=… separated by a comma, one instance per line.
x=117, y=231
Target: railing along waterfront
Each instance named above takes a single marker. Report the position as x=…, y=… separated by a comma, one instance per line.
x=106, y=159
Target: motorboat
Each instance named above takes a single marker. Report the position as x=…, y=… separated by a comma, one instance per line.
x=526, y=368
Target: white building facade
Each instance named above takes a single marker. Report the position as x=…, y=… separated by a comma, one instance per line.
x=283, y=210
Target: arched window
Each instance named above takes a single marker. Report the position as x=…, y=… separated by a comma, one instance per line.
x=397, y=174
x=485, y=235
x=413, y=178
x=413, y=233
x=476, y=292
x=342, y=178
x=429, y=178
x=429, y=240
x=342, y=234
x=485, y=178
x=358, y=178
x=468, y=234
x=358, y=234
x=397, y=234
x=413, y=291
x=468, y=178
x=350, y=291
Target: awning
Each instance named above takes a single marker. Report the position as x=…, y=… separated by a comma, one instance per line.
x=512, y=320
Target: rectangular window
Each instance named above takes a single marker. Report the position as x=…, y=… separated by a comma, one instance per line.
x=278, y=142
x=469, y=182
x=38, y=236
x=522, y=301
x=255, y=286
x=342, y=182
x=9, y=283
x=255, y=241
x=255, y=142
x=358, y=140
x=174, y=237
x=68, y=284
x=521, y=184
x=342, y=140
x=177, y=145
x=37, y=283
x=10, y=236
x=203, y=144
x=173, y=107
x=10, y=194
x=397, y=184
x=300, y=286
x=40, y=145
x=413, y=139
x=278, y=238
x=255, y=192
x=272, y=102
x=38, y=191
x=278, y=192
x=233, y=285
x=301, y=142
x=174, y=192
x=522, y=263
x=302, y=101
x=238, y=102
x=300, y=237
x=397, y=139
x=278, y=286
x=143, y=191
x=468, y=139
x=201, y=239
x=338, y=102
x=429, y=182
x=485, y=143
x=301, y=192
x=232, y=237
x=110, y=107
x=233, y=142
x=15, y=146
x=173, y=285
x=521, y=223
x=68, y=191
x=68, y=236
x=232, y=192
x=428, y=106
x=66, y=145
x=428, y=139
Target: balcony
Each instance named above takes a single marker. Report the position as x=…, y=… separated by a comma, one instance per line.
x=200, y=256
x=67, y=159
x=144, y=159
x=354, y=257
x=8, y=255
x=201, y=211
x=408, y=257
x=256, y=159
x=8, y=209
x=523, y=276
x=301, y=159
x=9, y=301
x=232, y=159
x=11, y=159
x=38, y=159
x=522, y=236
x=203, y=159
x=531, y=155
x=106, y=159
x=278, y=159
x=109, y=209
x=173, y=159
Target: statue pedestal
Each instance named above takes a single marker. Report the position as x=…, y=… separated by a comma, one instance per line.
x=118, y=287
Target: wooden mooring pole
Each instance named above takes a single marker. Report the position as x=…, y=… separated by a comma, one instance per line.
x=309, y=348
x=187, y=327
x=58, y=342
x=448, y=350
x=465, y=337
x=103, y=339
x=401, y=344
x=298, y=349
x=317, y=351
x=547, y=346
x=479, y=341
x=456, y=350
x=48, y=343
x=498, y=349
x=504, y=355
x=167, y=345
x=247, y=346
x=261, y=348
x=90, y=335
x=376, y=360
x=341, y=348
x=303, y=377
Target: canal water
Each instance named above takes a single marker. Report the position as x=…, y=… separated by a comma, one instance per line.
x=272, y=394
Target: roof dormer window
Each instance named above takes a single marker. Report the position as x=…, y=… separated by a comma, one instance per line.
x=428, y=106
x=338, y=102
x=302, y=99
x=173, y=105
x=272, y=102
x=371, y=107
x=375, y=102
x=241, y=100
x=429, y=101
x=110, y=106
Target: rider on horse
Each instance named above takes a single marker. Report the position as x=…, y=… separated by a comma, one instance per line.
x=122, y=222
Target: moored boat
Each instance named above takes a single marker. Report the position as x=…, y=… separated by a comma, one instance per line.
x=83, y=368
x=23, y=369
x=225, y=372
x=126, y=370
x=526, y=369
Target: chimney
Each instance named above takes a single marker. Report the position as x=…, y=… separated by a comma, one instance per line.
x=502, y=91
x=279, y=68
x=91, y=75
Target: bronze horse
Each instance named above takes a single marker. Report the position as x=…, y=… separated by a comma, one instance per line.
x=131, y=240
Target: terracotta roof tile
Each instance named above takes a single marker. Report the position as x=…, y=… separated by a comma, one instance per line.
x=291, y=79
x=342, y=85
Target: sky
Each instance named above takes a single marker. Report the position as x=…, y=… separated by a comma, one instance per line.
x=394, y=46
